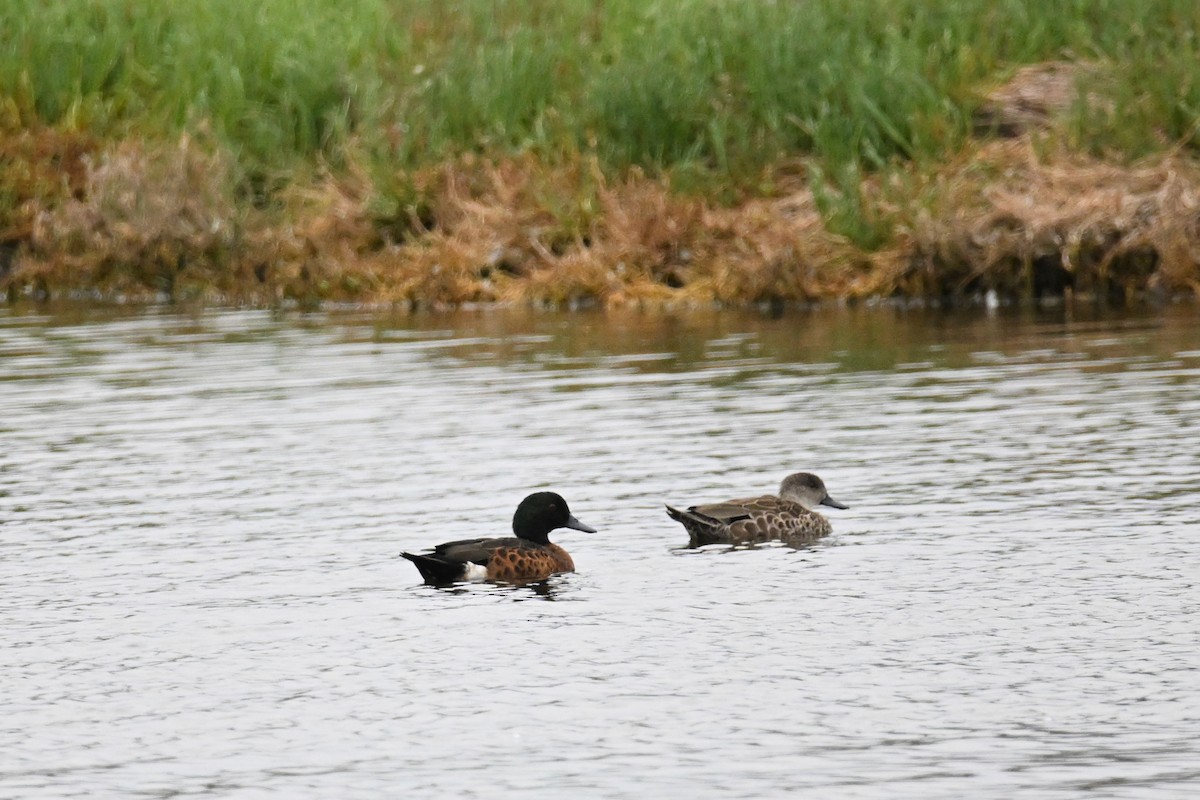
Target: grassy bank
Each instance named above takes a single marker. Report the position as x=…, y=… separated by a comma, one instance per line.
x=406, y=150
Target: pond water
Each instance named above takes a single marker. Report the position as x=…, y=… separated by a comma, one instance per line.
x=200, y=517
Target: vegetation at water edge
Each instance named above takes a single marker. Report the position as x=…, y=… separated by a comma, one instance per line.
x=407, y=151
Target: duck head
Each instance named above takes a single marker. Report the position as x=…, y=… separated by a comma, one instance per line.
x=808, y=490
x=542, y=512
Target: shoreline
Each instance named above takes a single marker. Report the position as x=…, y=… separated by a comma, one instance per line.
x=1003, y=220
x=1070, y=303
x=405, y=153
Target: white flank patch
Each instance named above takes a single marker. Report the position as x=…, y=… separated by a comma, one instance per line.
x=474, y=572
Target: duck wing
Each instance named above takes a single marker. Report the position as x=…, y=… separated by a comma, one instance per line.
x=451, y=561
x=477, y=551
x=732, y=511
x=772, y=518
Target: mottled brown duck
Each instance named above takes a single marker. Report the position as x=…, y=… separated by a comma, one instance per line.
x=527, y=556
x=788, y=517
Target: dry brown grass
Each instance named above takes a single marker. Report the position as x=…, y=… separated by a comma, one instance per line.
x=1038, y=96
x=516, y=231
x=1015, y=216
x=38, y=171
x=140, y=221
x=780, y=250
x=1000, y=217
x=1004, y=217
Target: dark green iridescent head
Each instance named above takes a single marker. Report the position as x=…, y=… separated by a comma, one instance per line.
x=542, y=512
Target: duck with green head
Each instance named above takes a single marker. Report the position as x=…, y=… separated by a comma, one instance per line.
x=788, y=517
x=527, y=556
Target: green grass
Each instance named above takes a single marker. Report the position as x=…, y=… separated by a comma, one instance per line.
x=272, y=79
x=714, y=88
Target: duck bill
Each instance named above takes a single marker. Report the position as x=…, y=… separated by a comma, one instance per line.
x=577, y=525
x=829, y=501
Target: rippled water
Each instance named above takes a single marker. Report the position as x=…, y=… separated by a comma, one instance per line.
x=200, y=518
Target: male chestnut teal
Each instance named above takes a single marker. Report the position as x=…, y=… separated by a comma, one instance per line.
x=788, y=517
x=528, y=556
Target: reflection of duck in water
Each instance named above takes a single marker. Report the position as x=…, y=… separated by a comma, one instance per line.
x=788, y=517
x=528, y=556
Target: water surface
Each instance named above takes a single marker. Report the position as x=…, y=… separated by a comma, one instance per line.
x=200, y=517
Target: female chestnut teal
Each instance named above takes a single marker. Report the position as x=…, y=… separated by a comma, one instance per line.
x=788, y=517
x=528, y=556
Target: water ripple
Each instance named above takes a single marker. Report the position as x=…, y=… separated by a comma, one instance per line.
x=200, y=517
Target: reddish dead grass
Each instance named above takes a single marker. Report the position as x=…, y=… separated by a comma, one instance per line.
x=134, y=221
x=1039, y=97
x=1005, y=218
x=145, y=223
x=37, y=171
x=517, y=231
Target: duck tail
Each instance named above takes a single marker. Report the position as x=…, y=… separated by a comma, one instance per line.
x=434, y=571
x=701, y=530
x=676, y=514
